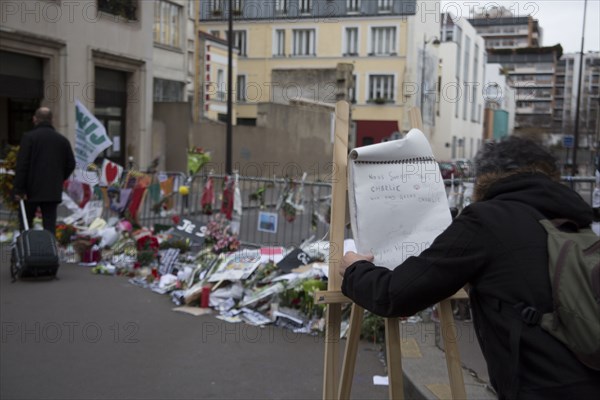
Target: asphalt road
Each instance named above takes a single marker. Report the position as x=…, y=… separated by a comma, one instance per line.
x=86, y=336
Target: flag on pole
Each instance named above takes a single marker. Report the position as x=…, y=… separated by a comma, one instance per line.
x=91, y=138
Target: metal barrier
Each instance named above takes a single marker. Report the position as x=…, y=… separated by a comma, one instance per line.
x=261, y=195
x=311, y=219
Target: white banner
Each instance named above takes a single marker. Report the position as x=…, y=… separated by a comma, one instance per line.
x=91, y=138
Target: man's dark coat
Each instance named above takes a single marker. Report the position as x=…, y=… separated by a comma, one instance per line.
x=44, y=161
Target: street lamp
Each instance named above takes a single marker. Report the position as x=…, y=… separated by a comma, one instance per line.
x=435, y=41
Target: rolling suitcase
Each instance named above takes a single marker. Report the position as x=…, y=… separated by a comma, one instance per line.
x=35, y=253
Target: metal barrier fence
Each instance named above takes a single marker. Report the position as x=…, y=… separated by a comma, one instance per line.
x=261, y=195
x=307, y=206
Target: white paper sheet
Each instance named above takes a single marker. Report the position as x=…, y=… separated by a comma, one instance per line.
x=397, y=199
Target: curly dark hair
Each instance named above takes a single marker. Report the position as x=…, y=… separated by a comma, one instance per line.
x=512, y=156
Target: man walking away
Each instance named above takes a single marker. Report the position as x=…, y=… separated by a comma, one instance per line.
x=45, y=160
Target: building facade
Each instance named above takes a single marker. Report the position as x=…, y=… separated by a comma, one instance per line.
x=567, y=78
x=174, y=48
x=96, y=51
x=460, y=105
x=507, y=31
x=383, y=39
x=531, y=72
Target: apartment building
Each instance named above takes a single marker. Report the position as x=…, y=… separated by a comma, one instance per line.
x=174, y=48
x=383, y=39
x=460, y=103
x=508, y=31
x=531, y=72
x=96, y=51
x=567, y=77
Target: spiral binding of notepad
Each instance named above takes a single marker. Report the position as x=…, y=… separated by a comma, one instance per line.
x=415, y=160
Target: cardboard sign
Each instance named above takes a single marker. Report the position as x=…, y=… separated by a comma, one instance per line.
x=293, y=260
x=167, y=260
x=192, y=230
x=111, y=173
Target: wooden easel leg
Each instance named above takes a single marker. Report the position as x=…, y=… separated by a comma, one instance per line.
x=448, y=327
x=356, y=318
x=394, y=358
x=331, y=367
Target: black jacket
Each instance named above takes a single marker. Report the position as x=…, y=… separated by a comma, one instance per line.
x=497, y=246
x=44, y=161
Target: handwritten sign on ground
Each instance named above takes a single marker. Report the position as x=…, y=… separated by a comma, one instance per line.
x=192, y=230
x=397, y=199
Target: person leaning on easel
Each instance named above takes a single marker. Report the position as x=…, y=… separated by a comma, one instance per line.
x=497, y=246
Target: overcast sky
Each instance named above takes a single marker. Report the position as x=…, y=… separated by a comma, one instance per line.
x=561, y=20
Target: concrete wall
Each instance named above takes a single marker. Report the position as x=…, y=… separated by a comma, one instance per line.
x=170, y=127
x=324, y=85
x=288, y=140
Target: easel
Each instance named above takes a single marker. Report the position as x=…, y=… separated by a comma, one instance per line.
x=338, y=384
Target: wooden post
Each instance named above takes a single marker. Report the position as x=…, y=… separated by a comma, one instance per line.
x=333, y=315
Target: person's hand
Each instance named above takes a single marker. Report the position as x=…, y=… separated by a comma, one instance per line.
x=19, y=197
x=352, y=257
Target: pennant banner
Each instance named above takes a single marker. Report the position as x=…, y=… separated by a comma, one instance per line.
x=91, y=138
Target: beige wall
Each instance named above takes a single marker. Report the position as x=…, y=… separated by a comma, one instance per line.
x=171, y=126
x=289, y=141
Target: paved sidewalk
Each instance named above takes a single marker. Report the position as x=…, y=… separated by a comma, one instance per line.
x=425, y=368
x=86, y=336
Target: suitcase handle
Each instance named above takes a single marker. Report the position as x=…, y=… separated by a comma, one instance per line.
x=24, y=214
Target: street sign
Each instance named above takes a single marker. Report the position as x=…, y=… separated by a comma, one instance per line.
x=568, y=141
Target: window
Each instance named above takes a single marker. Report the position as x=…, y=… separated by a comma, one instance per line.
x=448, y=35
x=123, y=8
x=216, y=6
x=167, y=23
x=167, y=90
x=351, y=44
x=352, y=5
x=237, y=7
x=241, y=88
x=304, y=42
x=305, y=6
x=384, y=5
x=475, y=79
x=458, y=41
x=466, y=72
x=381, y=88
x=383, y=41
x=352, y=90
x=281, y=7
x=239, y=41
x=191, y=7
x=221, y=95
x=279, y=43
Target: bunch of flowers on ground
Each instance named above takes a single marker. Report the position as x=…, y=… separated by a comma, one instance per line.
x=219, y=235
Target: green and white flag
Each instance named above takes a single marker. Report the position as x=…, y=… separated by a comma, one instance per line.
x=91, y=138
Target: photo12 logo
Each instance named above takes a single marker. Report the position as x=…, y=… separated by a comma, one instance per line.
x=68, y=332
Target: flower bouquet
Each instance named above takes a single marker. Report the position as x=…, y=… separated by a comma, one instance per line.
x=7, y=179
x=219, y=236
x=65, y=233
x=196, y=159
